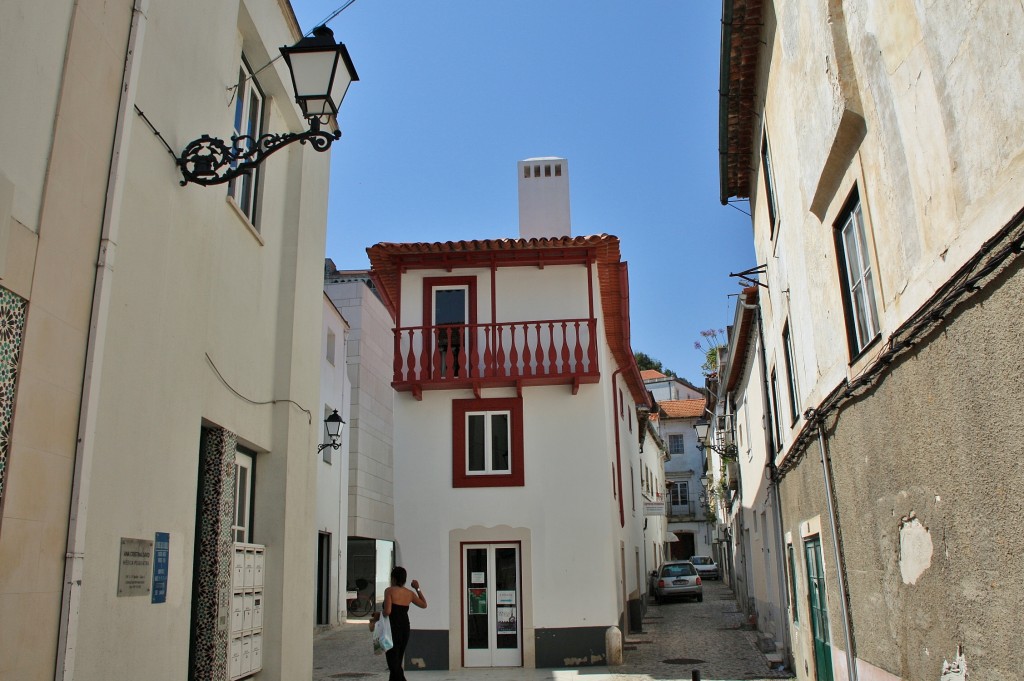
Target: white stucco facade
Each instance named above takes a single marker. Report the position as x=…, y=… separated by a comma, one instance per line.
x=332, y=478
x=574, y=493
x=195, y=340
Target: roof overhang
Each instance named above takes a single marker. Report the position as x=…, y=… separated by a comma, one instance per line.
x=742, y=25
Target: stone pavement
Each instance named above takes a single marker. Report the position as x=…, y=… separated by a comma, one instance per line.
x=677, y=639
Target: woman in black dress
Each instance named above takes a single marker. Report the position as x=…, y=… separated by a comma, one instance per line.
x=397, y=599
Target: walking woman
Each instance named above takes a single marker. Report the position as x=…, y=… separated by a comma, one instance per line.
x=397, y=599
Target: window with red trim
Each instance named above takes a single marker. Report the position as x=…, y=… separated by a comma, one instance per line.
x=487, y=442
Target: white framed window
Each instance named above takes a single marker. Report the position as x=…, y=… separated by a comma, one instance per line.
x=794, y=390
x=681, y=493
x=857, y=277
x=488, y=443
x=332, y=341
x=676, y=444
x=248, y=122
x=769, y=183
x=241, y=525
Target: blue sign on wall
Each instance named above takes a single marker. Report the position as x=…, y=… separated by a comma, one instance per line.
x=161, y=552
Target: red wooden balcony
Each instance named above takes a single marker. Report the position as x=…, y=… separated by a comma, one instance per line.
x=492, y=355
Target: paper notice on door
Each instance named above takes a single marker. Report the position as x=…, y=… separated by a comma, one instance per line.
x=505, y=597
x=478, y=601
x=506, y=616
x=476, y=578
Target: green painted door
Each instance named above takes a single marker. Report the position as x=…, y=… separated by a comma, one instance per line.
x=819, y=610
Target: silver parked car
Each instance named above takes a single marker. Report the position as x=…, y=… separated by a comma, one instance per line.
x=706, y=567
x=678, y=579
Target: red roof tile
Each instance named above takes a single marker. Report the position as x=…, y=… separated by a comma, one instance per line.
x=389, y=260
x=681, y=409
x=651, y=375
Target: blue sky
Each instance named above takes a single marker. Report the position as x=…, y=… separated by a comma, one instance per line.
x=452, y=93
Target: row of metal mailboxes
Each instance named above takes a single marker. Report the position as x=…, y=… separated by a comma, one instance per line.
x=247, y=567
x=246, y=612
x=245, y=656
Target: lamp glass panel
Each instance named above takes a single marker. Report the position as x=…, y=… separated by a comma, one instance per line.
x=311, y=75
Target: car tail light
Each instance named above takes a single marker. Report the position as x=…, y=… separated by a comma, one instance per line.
x=661, y=583
x=698, y=581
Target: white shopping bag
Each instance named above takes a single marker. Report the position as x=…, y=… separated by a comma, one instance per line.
x=382, y=641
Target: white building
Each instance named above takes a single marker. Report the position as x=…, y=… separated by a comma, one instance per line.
x=688, y=501
x=158, y=448
x=880, y=147
x=370, y=357
x=518, y=501
x=332, y=477
x=664, y=387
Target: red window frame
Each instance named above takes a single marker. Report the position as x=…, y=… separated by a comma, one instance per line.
x=429, y=284
x=514, y=406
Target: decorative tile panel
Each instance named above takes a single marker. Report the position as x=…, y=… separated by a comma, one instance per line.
x=12, y=331
x=213, y=561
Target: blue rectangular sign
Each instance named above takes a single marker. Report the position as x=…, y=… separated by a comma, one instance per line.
x=161, y=552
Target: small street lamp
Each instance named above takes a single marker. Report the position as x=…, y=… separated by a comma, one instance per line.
x=332, y=428
x=703, y=429
x=321, y=71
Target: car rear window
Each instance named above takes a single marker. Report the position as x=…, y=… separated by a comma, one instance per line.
x=677, y=571
x=699, y=560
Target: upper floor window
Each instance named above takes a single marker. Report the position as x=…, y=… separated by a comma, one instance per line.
x=769, y=182
x=675, y=444
x=449, y=309
x=857, y=277
x=794, y=393
x=332, y=341
x=248, y=124
x=776, y=426
x=241, y=526
x=681, y=493
x=487, y=437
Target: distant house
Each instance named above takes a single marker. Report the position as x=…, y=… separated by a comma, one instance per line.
x=687, y=499
x=670, y=387
x=519, y=503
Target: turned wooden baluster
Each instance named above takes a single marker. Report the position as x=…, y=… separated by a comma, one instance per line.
x=513, y=352
x=435, y=359
x=578, y=352
x=539, y=354
x=416, y=368
x=398, y=356
x=488, y=356
x=552, y=353
x=449, y=360
x=591, y=346
x=565, y=349
x=462, y=368
x=527, y=353
x=499, y=354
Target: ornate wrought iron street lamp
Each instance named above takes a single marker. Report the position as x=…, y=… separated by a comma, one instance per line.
x=321, y=71
x=726, y=450
x=332, y=429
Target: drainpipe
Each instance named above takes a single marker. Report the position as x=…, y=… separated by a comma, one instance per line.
x=773, y=485
x=826, y=467
x=74, y=562
x=618, y=448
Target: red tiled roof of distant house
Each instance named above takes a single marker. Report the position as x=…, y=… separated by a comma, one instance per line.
x=651, y=375
x=681, y=409
x=389, y=260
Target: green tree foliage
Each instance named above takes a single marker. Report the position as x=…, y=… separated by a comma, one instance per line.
x=645, y=362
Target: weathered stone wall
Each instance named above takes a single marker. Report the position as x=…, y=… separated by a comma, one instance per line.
x=928, y=476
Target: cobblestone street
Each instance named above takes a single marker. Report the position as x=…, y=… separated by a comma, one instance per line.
x=678, y=638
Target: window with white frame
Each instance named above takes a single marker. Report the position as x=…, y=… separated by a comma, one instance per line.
x=769, y=183
x=332, y=341
x=794, y=391
x=777, y=426
x=488, y=443
x=857, y=277
x=241, y=525
x=681, y=493
x=675, y=444
x=248, y=125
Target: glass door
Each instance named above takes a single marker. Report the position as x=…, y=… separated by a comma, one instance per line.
x=819, y=610
x=491, y=605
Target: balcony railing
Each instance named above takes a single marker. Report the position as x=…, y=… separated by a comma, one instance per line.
x=487, y=355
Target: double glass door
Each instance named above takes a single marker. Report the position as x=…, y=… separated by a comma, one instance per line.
x=491, y=606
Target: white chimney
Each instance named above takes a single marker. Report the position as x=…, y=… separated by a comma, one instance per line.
x=544, y=198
